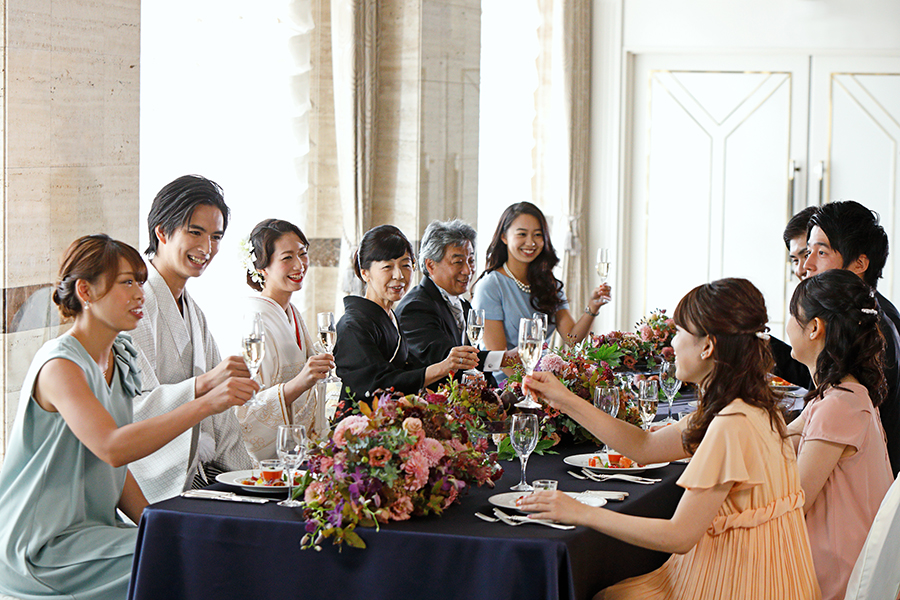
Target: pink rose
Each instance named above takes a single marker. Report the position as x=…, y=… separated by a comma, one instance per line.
x=646, y=333
x=668, y=353
x=355, y=424
x=315, y=492
x=413, y=426
x=401, y=509
x=325, y=464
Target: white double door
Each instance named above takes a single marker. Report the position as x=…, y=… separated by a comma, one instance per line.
x=726, y=148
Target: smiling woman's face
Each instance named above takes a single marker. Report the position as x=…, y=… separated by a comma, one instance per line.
x=387, y=280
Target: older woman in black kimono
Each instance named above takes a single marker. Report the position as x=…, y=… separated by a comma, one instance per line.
x=370, y=352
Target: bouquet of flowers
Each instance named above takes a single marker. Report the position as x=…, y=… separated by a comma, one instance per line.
x=631, y=350
x=401, y=456
x=474, y=405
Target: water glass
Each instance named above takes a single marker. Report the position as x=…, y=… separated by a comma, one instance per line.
x=606, y=398
x=669, y=384
x=545, y=485
x=290, y=444
x=523, y=434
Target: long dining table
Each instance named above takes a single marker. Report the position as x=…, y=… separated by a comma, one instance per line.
x=194, y=549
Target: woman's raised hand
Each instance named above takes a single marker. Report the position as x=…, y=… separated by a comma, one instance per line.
x=547, y=387
x=316, y=368
x=602, y=294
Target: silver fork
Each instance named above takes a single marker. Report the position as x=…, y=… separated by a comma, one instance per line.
x=599, y=477
x=515, y=520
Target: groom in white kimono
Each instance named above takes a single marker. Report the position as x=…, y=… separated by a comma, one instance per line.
x=179, y=357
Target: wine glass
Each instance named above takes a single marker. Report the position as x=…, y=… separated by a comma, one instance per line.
x=475, y=331
x=531, y=343
x=606, y=398
x=603, y=264
x=543, y=320
x=327, y=332
x=253, y=348
x=523, y=434
x=291, y=448
x=669, y=384
x=648, y=400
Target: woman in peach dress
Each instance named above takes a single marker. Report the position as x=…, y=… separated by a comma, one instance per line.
x=738, y=531
x=844, y=466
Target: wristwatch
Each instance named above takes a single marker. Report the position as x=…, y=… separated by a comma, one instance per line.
x=587, y=311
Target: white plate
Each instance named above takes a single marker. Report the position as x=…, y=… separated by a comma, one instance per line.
x=235, y=477
x=581, y=461
x=508, y=499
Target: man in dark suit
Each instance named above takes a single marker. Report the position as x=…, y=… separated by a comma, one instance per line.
x=847, y=235
x=432, y=316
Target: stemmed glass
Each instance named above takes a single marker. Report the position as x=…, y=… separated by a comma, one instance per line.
x=606, y=398
x=669, y=384
x=253, y=348
x=327, y=331
x=603, y=264
x=648, y=400
x=475, y=331
x=531, y=342
x=543, y=320
x=523, y=434
x=291, y=448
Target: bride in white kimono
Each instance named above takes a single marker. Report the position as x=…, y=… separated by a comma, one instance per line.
x=276, y=261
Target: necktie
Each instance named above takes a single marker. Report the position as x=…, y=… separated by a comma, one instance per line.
x=456, y=309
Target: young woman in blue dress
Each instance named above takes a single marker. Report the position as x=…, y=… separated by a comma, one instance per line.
x=518, y=281
x=65, y=474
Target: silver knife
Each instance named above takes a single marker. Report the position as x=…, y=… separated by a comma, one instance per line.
x=229, y=496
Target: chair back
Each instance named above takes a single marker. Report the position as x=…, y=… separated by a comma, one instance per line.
x=876, y=575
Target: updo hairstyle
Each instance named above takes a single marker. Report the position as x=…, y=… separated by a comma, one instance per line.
x=384, y=242
x=92, y=258
x=854, y=344
x=263, y=238
x=733, y=313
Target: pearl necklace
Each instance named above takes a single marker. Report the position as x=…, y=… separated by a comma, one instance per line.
x=522, y=286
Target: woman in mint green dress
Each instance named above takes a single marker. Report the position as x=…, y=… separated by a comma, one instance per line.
x=65, y=472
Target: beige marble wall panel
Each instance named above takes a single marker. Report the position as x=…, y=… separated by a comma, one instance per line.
x=27, y=249
x=120, y=107
x=28, y=107
x=77, y=102
x=28, y=24
x=398, y=110
x=96, y=26
x=399, y=43
x=20, y=350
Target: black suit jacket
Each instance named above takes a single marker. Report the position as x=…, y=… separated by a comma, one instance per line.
x=890, y=408
x=429, y=327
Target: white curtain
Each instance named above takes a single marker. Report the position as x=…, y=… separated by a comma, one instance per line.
x=355, y=44
x=561, y=132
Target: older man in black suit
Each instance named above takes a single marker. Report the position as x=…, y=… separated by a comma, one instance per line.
x=432, y=316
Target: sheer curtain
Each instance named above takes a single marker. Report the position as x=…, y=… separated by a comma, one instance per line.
x=561, y=131
x=355, y=50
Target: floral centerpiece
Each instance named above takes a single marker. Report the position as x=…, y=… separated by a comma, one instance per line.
x=399, y=457
x=651, y=342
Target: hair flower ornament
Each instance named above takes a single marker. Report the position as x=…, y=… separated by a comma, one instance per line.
x=248, y=257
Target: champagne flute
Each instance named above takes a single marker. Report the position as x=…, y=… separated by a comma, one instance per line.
x=531, y=343
x=291, y=448
x=475, y=331
x=253, y=348
x=669, y=384
x=648, y=400
x=606, y=398
x=543, y=320
x=327, y=333
x=603, y=264
x=523, y=434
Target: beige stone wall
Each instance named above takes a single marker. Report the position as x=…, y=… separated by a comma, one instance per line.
x=71, y=155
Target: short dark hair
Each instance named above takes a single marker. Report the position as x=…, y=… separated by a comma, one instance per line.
x=854, y=230
x=175, y=203
x=91, y=258
x=263, y=238
x=384, y=242
x=798, y=225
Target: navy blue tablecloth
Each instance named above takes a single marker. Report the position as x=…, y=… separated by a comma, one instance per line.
x=203, y=549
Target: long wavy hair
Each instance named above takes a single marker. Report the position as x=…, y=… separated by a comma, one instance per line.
x=732, y=312
x=545, y=287
x=854, y=344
